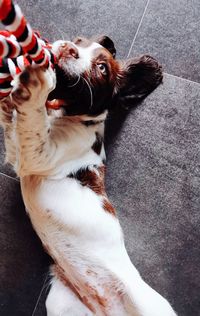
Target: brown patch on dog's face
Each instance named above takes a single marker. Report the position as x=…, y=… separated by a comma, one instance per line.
x=90, y=80
x=104, y=69
x=103, y=40
x=82, y=41
x=86, y=83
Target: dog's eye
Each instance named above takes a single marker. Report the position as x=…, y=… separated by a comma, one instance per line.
x=103, y=68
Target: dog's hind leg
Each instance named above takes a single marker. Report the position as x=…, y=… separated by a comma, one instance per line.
x=61, y=301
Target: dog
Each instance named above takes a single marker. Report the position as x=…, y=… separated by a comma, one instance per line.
x=59, y=157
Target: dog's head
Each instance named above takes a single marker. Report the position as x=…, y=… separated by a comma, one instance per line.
x=90, y=79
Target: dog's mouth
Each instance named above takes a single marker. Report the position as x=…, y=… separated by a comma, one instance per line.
x=68, y=72
x=84, y=78
x=55, y=104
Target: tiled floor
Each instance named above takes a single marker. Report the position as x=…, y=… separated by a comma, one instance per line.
x=153, y=154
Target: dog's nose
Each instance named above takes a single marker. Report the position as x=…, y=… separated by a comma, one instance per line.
x=68, y=50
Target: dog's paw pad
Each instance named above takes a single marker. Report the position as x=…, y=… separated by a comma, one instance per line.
x=25, y=77
x=20, y=94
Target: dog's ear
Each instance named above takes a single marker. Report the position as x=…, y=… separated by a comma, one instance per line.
x=138, y=77
x=106, y=42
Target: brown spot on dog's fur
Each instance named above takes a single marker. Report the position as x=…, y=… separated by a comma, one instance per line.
x=40, y=148
x=94, y=180
x=97, y=146
x=85, y=301
x=4, y=108
x=25, y=77
x=91, y=272
x=60, y=274
x=7, y=116
x=92, y=292
x=108, y=207
x=21, y=113
x=20, y=95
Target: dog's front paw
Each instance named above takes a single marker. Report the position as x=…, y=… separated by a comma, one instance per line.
x=33, y=84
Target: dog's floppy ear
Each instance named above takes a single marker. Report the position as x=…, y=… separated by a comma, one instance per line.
x=106, y=42
x=138, y=77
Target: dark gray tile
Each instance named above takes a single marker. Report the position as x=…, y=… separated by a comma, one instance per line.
x=23, y=263
x=40, y=309
x=56, y=19
x=153, y=179
x=170, y=31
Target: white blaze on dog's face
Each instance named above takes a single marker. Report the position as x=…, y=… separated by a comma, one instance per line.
x=74, y=59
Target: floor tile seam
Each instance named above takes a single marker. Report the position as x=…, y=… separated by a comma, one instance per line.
x=9, y=177
x=138, y=28
x=183, y=79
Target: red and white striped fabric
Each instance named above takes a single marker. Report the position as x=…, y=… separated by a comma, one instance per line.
x=14, y=21
x=19, y=46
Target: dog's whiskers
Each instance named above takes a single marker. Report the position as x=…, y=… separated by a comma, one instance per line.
x=90, y=90
x=73, y=85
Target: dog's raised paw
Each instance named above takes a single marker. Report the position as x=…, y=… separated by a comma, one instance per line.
x=33, y=83
x=20, y=95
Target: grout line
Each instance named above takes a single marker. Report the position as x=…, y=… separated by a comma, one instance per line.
x=7, y=176
x=184, y=79
x=137, y=31
x=40, y=294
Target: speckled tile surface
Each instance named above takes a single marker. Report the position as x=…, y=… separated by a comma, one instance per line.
x=66, y=19
x=170, y=31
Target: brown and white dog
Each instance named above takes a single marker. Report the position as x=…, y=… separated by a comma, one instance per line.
x=59, y=157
